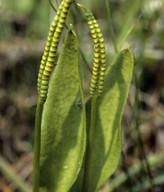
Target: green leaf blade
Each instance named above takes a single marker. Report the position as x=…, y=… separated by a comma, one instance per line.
x=107, y=139
x=63, y=126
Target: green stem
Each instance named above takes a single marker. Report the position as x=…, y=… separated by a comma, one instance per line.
x=37, y=143
x=90, y=142
x=93, y=121
x=5, y=168
x=111, y=27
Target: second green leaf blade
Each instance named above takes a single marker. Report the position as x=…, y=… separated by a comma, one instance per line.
x=106, y=147
x=63, y=125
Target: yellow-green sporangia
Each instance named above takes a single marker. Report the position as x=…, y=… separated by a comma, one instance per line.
x=50, y=52
x=63, y=123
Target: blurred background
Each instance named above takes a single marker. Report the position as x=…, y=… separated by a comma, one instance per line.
x=24, y=27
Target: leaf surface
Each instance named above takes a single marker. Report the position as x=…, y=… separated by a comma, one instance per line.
x=107, y=139
x=63, y=124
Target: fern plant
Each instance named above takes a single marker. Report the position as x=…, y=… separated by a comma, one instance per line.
x=78, y=147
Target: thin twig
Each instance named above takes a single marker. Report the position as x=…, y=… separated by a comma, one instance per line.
x=130, y=30
x=52, y=6
x=111, y=27
x=140, y=143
